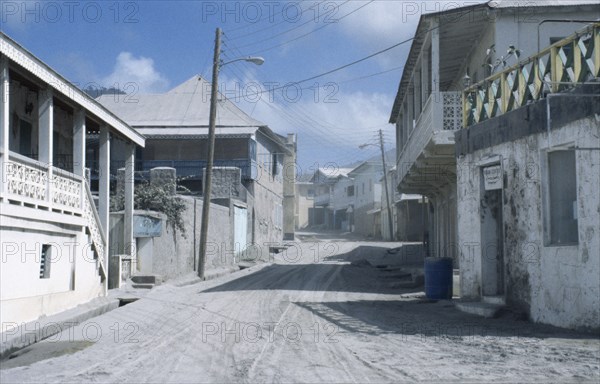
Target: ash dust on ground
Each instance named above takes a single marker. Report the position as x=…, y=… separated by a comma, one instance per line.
x=322, y=312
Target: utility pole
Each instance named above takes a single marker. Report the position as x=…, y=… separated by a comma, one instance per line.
x=211, y=151
x=387, y=194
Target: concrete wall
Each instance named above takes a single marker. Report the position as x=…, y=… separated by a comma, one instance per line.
x=74, y=273
x=268, y=194
x=175, y=254
x=558, y=285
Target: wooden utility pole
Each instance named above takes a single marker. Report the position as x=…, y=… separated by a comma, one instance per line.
x=387, y=194
x=207, y=181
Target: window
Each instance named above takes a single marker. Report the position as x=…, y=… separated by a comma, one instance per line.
x=562, y=198
x=363, y=188
x=311, y=193
x=350, y=191
x=274, y=164
x=45, y=261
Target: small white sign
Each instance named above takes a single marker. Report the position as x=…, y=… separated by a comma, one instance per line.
x=492, y=178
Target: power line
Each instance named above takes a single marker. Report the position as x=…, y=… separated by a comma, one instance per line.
x=313, y=31
x=349, y=64
x=276, y=24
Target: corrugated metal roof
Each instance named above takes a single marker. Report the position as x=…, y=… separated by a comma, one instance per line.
x=538, y=3
x=188, y=104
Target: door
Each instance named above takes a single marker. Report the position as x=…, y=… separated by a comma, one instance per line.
x=492, y=252
x=240, y=228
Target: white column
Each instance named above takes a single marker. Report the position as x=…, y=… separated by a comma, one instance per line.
x=46, y=136
x=435, y=58
x=425, y=85
x=4, y=119
x=79, y=149
x=79, y=143
x=104, y=183
x=436, y=106
x=128, y=240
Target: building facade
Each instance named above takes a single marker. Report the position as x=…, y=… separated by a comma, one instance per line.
x=528, y=182
x=452, y=49
x=176, y=126
x=54, y=239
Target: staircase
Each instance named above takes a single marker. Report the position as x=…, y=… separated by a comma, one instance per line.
x=94, y=229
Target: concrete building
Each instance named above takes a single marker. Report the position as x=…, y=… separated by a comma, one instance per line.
x=409, y=213
x=304, y=195
x=54, y=240
x=323, y=180
x=367, y=198
x=528, y=164
x=176, y=126
x=452, y=48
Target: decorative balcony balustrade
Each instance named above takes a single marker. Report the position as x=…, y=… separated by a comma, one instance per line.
x=34, y=184
x=568, y=62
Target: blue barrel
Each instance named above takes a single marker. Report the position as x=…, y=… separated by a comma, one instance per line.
x=438, y=278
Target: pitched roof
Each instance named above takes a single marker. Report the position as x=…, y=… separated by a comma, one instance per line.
x=187, y=105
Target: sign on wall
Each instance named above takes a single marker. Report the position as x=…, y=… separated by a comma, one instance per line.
x=146, y=226
x=492, y=177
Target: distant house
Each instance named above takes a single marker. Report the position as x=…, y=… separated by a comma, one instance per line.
x=305, y=193
x=54, y=241
x=176, y=126
x=367, y=197
x=323, y=211
x=409, y=213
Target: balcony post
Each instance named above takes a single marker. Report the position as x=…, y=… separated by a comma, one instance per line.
x=79, y=149
x=4, y=120
x=46, y=136
x=104, y=181
x=436, y=107
x=128, y=240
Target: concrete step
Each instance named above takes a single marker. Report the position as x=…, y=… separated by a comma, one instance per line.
x=478, y=308
x=142, y=286
x=498, y=300
x=146, y=279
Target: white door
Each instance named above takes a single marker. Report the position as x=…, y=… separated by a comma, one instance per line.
x=240, y=228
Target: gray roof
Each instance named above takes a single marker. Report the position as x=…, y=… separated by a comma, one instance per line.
x=187, y=105
x=538, y=3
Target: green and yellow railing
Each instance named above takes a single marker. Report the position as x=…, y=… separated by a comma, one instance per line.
x=566, y=63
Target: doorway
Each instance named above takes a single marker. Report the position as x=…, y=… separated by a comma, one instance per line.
x=492, y=244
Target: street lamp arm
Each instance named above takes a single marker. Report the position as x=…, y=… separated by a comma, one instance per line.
x=252, y=59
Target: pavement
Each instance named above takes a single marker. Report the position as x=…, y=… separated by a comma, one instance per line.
x=322, y=311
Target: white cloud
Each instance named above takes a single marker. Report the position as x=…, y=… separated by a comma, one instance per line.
x=138, y=70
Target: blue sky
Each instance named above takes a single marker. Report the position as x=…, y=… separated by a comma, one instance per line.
x=156, y=45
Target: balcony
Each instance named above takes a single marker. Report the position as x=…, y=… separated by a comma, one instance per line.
x=55, y=194
x=428, y=154
x=563, y=65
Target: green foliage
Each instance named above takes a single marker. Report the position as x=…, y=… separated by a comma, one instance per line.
x=157, y=197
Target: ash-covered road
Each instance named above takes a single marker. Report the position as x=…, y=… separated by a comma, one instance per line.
x=310, y=316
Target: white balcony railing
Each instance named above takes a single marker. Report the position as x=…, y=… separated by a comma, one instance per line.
x=36, y=185
x=441, y=112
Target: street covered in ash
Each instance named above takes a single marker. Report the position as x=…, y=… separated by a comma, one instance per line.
x=323, y=311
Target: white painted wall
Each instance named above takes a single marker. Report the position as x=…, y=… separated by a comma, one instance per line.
x=73, y=280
